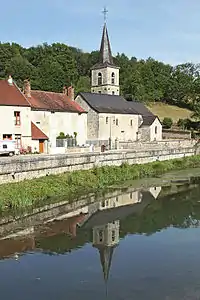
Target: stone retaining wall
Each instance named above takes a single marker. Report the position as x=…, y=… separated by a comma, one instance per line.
x=34, y=166
x=176, y=134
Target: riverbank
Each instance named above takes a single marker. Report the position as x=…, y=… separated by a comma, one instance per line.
x=71, y=185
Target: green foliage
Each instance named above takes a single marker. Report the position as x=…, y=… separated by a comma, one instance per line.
x=50, y=67
x=69, y=185
x=61, y=135
x=167, y=123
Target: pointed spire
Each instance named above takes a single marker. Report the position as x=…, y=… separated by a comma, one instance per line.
x=105, y=50
x=106, y=254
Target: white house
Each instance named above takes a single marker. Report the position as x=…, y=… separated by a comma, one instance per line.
x=110, y=116
x=57, y=112
x=15, y=116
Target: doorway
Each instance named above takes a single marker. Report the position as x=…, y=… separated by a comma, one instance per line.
x=41, y=146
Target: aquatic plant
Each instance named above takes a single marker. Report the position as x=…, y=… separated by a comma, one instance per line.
x=70, y=185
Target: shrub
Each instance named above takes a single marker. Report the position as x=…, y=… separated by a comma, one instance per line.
x=167, y=123
x=61, y=135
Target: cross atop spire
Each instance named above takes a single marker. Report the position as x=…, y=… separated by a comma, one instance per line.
x=105, y=11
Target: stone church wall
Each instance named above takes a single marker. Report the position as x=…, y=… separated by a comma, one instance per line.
x=92, y=120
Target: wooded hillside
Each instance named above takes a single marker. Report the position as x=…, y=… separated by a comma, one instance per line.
x=50, y=67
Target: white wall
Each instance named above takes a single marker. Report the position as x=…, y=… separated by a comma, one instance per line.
x=153, y=135
x=7, y=123
x=121, y=200
x=122, y=131
x=54, y=123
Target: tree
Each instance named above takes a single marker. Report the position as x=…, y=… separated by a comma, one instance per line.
x=167, y=123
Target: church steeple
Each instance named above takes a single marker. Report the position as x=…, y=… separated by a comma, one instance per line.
x=106, y=254
x=105, y=49
x=105, y=239
x=105, y=75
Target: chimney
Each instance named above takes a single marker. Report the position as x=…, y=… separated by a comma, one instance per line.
x=65, y=90
x=70, y=93
x=10, y=80
x=27, y=88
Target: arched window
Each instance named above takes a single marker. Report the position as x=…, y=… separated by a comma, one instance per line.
x=106, y=120
x=117, y=122
x=113, y=92
x=99, y=78
x=113, y=78
x=156, y=130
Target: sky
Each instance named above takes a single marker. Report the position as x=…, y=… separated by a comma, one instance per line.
x=166, y=30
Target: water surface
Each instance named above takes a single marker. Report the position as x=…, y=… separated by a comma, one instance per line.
x=128, y=244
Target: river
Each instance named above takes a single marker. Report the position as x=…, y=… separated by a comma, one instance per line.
x=126, y=244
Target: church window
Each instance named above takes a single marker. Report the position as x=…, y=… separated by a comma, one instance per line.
x=117, y=122
x=99, y=78
x=113, y=236
x=106, y=120
x=131, y=195
x=103, y=204
x=113, y=92
x=117, y=199
x=113, y=78
x=156, y=130
x=99, y=92
x=100, y=236
x=131, y=122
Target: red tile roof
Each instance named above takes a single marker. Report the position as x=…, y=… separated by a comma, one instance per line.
x=11, y=95
x=37, y=134
x=51, y=101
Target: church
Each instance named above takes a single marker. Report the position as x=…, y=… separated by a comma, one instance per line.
x=110, y=116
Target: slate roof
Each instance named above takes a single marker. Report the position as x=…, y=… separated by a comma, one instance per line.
x=51, y=101
x=148, y=120
x=105, y=59
x=118, y=213
x=140, y=108
x=11, y=95
x=37, y=134
x=103, y=103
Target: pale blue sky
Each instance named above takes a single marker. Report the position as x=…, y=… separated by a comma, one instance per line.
x=167, y=30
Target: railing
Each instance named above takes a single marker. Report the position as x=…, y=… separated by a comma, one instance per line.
x=66, y=143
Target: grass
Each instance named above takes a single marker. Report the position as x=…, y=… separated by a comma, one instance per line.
x=174, y=112
x=38, y=192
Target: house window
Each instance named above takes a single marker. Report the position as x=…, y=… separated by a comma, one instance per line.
x=113, y=78
x=131, y=122
x=117, y=122
x=17, y=118
x=106, y=120
x=113, y=92
x=18, y=140
x=7, y=136
x=99, y=78
x=156, y=130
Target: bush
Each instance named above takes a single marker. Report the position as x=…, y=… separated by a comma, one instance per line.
x=167, y=123
x=61, y=136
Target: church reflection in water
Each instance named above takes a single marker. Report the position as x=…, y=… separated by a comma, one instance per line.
x=97, y=222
